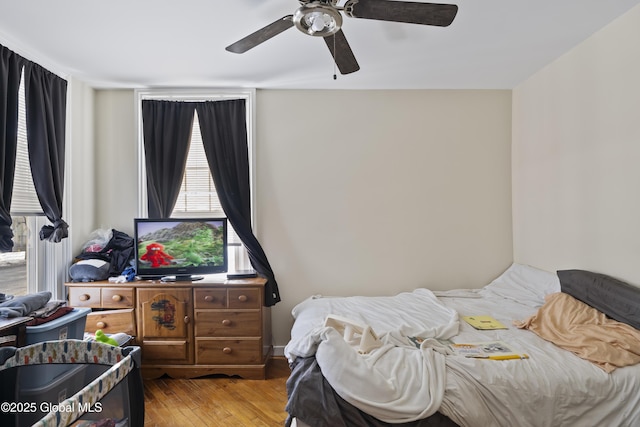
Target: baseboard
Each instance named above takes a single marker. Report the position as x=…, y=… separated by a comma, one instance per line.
x=278, y=351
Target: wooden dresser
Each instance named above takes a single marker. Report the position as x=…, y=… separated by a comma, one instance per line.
x=185, y=329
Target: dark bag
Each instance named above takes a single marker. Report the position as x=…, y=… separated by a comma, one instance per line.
x=118, y=252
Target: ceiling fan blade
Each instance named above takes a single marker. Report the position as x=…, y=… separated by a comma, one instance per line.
x=342, y=53
x=262, y=35
x=437, y=14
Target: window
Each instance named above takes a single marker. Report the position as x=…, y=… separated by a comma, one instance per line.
x=198, y=195
x=24, y=210
x=21, y=269
x=13, y=266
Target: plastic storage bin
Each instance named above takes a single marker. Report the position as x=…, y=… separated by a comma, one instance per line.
x=69, y=326
x=71, y=380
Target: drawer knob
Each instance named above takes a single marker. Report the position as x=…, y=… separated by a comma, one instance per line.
x=117, y=298
x=209, y=298
x=187, y=319
x=226, y=322
x=226, y=350
x=84, y=297
x=101, y=325
x=242, y=298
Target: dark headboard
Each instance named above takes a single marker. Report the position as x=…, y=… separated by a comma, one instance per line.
x=615, y=298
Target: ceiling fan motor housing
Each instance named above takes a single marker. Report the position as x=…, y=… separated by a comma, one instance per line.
x=328, y=2
x=318, y=18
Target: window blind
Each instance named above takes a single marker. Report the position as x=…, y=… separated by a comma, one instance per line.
x=198, y=193
x=24, y=200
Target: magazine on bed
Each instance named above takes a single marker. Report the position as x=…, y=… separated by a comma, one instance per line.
x=494, y=350
x=417, y=341
x=483, y=322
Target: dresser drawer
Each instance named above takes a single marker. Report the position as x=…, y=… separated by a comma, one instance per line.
x=244, y=298
x=210, y=298
x=117, y=298
x=214, y=351
x=168, y=351
x=112, y=321
x=84, y=297
x=227, y=323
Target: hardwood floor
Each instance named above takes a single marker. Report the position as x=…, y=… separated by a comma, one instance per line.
x=218, y=400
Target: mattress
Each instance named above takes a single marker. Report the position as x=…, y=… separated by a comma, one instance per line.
x=552, y=387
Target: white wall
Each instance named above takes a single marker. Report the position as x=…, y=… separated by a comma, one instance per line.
x=81, y=171
x=116, y=165
x=358, y=192
x=576, y=149
x=377, y=192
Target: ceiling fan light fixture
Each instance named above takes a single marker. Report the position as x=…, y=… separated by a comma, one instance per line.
x=317, y=19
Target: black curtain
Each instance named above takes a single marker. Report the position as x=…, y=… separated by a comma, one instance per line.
x=46, y=105
x=167, y=134
x=224, y=134
x=10, y=69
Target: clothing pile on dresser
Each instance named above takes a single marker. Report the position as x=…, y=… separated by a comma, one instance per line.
x=39, y=305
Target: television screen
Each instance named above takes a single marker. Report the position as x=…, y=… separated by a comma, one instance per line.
x=180, y=248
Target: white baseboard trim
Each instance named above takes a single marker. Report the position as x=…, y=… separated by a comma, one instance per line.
x=278, y=350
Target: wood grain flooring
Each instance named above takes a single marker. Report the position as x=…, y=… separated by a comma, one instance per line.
x=218, y=400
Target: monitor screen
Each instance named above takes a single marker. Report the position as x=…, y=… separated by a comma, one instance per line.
x=180, y=248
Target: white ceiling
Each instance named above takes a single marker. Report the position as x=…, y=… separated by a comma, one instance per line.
x=177, y=43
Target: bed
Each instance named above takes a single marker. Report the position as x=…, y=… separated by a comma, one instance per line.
x=355, y=361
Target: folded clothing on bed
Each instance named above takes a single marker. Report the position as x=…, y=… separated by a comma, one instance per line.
x=585, y=331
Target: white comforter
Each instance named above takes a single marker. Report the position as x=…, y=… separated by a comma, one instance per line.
x=397, y=383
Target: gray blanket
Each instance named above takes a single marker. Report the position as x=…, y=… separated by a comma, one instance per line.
x=24, y=304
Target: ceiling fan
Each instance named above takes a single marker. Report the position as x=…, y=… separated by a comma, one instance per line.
x=322, y=18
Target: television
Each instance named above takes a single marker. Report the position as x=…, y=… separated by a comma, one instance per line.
x=180, y=249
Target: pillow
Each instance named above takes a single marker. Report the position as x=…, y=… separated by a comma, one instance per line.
x=89, y=270
x=525, y=284
x=613, y=297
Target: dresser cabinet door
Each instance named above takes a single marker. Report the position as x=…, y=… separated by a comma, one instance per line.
x=165, y=328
